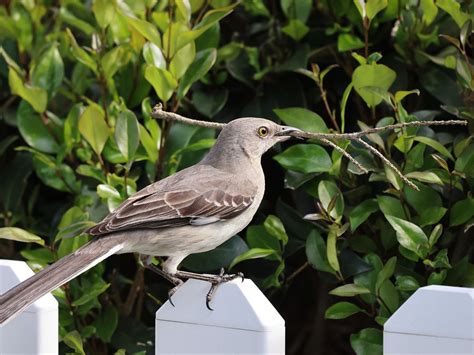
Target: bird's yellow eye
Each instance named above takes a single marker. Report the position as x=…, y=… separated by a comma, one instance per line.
x=263, y=131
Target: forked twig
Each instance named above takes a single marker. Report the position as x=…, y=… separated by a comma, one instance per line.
x=325, y=137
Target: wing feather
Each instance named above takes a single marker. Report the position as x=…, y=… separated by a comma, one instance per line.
x=194, y=196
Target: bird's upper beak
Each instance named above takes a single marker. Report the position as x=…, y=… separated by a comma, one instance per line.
x=286, y=132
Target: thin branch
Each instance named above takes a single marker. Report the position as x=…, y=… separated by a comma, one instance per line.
x=324, y=137
x=345, y=153
x=388, y=163
x=170, y=116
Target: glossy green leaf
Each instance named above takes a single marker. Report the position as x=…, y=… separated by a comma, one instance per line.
x=275, y=228
x=106, y=323
x=331, y=250
x=201, y=65
x=162, y=81
x=302, y=118
x=386, y=272
x=348, y=42
x=19, y=235
x=305, y=158
x=209, y=19
x=409, y=235
x=37, y=97
x=254, y=253
x=146, y=29
x=435, y=145
x=74, y=341
x=327, y=191
x=407, y=283
x=391, y=206
x=373, y=75
x=461, y=212
x=316, y=252
x=34, y=131
x=49, y=71
x=153, y=55
x=127, y=134
x=349, y=290
x=361, y=212
x=91, y=293
x=367, y=342
x=93, y=128
x=103, y=11
x=453, y=8
x=80, y=54
x=341, y=310
x=299, y=9
x=431, y=215
x=295, y=29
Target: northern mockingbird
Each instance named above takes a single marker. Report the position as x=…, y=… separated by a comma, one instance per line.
x=192, y=211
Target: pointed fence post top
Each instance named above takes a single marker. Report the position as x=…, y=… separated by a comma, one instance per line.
x=236, y=304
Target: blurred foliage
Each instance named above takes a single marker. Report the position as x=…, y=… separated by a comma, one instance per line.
x=77, y=83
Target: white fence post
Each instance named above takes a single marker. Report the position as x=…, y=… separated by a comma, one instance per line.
x=434, y=320
x=243, y=321
x=35, y=330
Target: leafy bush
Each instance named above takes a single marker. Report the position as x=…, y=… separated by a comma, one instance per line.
x=77, y=85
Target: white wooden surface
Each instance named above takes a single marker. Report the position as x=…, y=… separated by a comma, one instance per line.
x=35, y=330
x=434, y=320
x=243, y=321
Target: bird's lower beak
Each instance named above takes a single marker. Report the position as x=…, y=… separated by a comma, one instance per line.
x=287, y=132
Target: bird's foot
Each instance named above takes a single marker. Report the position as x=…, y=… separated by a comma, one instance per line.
x=176, y=281
x=215, y=281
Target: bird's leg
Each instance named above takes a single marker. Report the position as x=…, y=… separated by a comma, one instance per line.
x=215, y=281
x=176, y=281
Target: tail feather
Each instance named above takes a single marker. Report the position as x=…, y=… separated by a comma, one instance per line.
x=24, y=294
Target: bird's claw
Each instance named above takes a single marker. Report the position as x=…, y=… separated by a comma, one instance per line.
x=217, y=280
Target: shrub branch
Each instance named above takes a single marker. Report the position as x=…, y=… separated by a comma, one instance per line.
x=326, y=138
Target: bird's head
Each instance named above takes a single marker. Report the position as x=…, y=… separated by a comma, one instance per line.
x=255, y=135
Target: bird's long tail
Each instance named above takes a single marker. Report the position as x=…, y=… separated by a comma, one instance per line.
x=24, y=294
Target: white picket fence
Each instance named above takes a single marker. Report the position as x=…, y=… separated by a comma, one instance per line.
x=243, y=320
x=435, y=320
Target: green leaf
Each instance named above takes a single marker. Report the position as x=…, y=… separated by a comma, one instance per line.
x=74, y=229
x=41, y=256
x=341, y=310
x=407, y=283
x=49, y=71
x=386, y=272
x=162, y=81
x=74, y=341
x=431, y=215
x=400, y=95
x=106, y=323
x=93, y=128
x=373, y=75
x=201, y=65
x=461, y=212
x=127, y=134
x=295, y=29
x=71, y=19
x=35, y=96
x=409, y=235
x=435, y=235
x=367, y=342
x=146, y=29
x=34, y=131
x=305, y=158
x=331, y=250
x=299, y=9
x=327, y=191
x=435, y=145
x=153, y=55
x=254, y=253
x=275, y=228
x=349, y=290
x=302, y=118
x=103, y=11
x=209, y=19
x=391, y=206
x=425, y=176
x=91, y=293
x=348, y=42
x=107, y=191
x=429, y=10
x=465, y=162
x=360, y=213
x=453, y=8
x=80, y=54
x=316, y=252
x=182, y=59
x=19, y=235
x=423, y=199
x=373, y=7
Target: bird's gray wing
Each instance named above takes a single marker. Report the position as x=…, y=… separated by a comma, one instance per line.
x=195, y=196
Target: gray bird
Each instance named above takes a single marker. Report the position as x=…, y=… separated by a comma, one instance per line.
x=192, y=211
